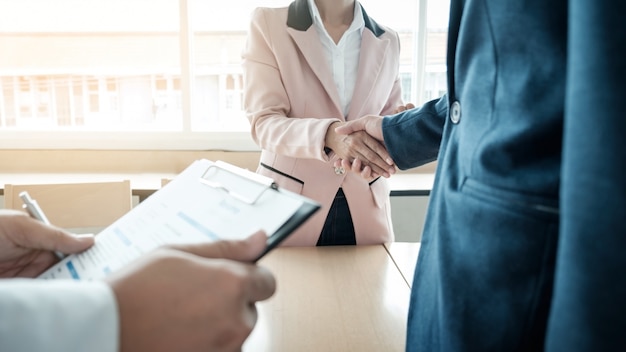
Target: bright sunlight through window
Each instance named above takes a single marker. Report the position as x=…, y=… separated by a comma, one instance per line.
x=161, y=74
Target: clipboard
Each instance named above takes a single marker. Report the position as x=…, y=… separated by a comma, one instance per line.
x=248, y=187
x=208, y=201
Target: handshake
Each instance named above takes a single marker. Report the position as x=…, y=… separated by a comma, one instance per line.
x=359, y=146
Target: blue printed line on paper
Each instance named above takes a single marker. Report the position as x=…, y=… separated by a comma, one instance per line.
x=72, y=270
x=198, y=226
x=122, y=237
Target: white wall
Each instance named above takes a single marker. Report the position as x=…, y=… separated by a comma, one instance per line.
x=407, y=216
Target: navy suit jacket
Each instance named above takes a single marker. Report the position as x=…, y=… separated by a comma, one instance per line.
x=524, y=246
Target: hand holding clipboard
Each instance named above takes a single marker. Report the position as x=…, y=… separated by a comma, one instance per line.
x=207, y=202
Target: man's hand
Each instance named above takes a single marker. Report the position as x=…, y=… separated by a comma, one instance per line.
x=192, y=298
x=373, y=126
x=358, y=145
x=27, y=245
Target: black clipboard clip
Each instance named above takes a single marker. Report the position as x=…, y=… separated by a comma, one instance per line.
x=241, y=184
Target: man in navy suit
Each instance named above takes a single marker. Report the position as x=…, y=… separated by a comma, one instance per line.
x=524, y=246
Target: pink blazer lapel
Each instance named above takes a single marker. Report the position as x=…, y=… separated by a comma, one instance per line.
x=309, y=44
x=372, y=57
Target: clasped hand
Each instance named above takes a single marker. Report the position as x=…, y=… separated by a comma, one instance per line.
x=360, y=145
x=358, y=149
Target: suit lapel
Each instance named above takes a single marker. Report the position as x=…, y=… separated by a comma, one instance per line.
x=311, y=48
x=373, y=50
x=371, y=59
x=300, y=28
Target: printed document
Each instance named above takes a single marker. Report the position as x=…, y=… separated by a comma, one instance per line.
x=186, y=210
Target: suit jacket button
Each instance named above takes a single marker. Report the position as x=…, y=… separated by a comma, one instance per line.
x=455, y=112
x=339, y=171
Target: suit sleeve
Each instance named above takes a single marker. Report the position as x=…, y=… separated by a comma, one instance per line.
x=267, y=102
x=413, y=137
x=57, y=315
x=589, y=311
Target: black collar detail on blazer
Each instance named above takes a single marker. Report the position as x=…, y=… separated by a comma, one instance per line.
x=299, y=18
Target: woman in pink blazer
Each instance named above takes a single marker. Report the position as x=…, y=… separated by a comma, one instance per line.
x=308, y=68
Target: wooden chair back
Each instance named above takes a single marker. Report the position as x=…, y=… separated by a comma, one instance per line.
x=76, y=205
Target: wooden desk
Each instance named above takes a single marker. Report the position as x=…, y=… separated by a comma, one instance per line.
x=329, y=299
x=404, y=256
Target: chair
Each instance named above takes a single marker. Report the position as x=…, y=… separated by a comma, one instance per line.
x=78, y=207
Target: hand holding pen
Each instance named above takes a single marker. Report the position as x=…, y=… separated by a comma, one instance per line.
x=32, y=207
x=27, y=244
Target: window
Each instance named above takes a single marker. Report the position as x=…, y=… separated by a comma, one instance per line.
x=161, y=74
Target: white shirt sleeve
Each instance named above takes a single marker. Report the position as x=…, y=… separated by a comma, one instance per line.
x=57, y=315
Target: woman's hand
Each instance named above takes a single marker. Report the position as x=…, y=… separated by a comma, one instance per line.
x=359, y=145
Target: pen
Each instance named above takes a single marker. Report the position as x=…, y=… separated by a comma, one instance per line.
x=32, y=207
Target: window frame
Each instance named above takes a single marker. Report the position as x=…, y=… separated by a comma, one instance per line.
x=186, y=139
